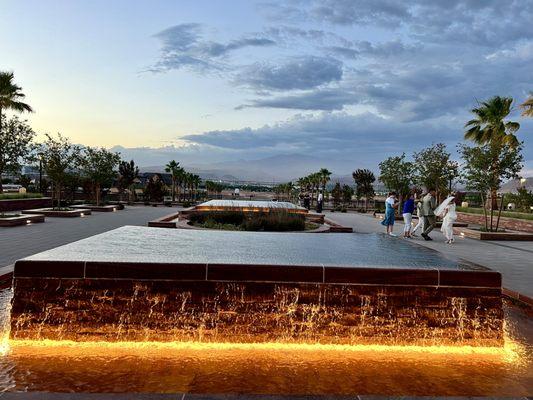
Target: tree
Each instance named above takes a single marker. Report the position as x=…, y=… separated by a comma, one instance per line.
x=527, y=106
x=128, y=173
x=176, y=173
x=347, y=193
x=325, y=176
x=336, y=193
x=195, y=182
x=364, y=181
x=10, y=95
x=315, y=179
x=99, y=166
x=16, y=139
x=434, y=169
x=486, y=167
x=490, y=127
x=397, y=175
x=155, y=189
x=60, y=157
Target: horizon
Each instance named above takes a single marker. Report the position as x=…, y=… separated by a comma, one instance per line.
x=210, y=83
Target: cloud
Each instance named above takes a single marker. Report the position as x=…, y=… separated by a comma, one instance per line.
x=350, y=12
x=184, y=46
x=324, y=99
x=328, y=133
x=297, y=73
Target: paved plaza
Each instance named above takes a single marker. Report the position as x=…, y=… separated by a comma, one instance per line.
x=512, y=259
x=22, y=241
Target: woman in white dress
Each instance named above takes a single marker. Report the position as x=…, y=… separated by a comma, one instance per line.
x=447, y=211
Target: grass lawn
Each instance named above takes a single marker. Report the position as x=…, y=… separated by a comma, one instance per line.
x=15, y=196
x=506, y=214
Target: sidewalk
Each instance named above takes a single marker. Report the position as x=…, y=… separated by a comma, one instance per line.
x=514, y=260
x=24, y=240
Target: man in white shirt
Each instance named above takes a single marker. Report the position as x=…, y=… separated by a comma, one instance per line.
x=320, y=201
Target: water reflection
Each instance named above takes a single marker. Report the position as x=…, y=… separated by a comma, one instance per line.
x=273, y=369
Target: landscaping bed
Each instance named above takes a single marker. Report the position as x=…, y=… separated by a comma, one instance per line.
x=275, y=221
x=18, y=201
x=8, y=220
x=60, y=213
x=501, y=235
x=103, y=208
x=515, y=224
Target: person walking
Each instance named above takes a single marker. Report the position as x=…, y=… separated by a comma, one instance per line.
x=407, y=213
x=390, y=206
x=319, y=202
x=447, y=211
x=420, y=215
x=429, y=203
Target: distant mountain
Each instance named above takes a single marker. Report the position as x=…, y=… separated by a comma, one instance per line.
x=514, y=184
x=275, y=169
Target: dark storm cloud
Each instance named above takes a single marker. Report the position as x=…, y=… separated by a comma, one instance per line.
x=331, y=133
x=297, y=73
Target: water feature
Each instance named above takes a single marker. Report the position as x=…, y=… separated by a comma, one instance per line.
x=140, y=309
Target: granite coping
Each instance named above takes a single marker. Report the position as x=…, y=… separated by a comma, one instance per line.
x=49, y=212
x=22, y=219
x=257, y=273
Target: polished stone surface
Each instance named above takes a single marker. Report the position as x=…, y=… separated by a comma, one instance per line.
x=154, y=245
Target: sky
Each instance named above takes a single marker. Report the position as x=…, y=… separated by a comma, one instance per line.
x=200, y=81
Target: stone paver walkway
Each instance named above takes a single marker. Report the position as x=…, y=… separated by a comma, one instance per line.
x=513, y=259
x=22, y=241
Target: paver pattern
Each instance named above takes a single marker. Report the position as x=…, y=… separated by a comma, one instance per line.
x=514, y=260
x=23, y=241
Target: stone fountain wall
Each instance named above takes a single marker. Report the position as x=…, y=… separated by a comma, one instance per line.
x=389, y=306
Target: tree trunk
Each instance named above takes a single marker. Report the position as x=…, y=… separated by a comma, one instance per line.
x=499, y=213
x=1, y=185
x=58, y=188
x=97, y=193
x=485, y=212
x=173, y=190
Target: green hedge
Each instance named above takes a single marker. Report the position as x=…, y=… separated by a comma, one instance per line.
x=506, y=214
x=275, y=221
x=14, y=196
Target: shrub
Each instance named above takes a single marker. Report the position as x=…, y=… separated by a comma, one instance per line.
x=14, y=196
x=274, y=221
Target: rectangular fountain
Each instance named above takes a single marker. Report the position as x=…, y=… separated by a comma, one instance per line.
x=250, y=206
x=149, y=284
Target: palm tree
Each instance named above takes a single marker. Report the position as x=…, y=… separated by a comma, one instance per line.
x=325, y=175
x=175, y=170
x=195, y=181
x=527, y=106
x=316, y=178
x=364, y=180
x=490, y=128
x=11, y=95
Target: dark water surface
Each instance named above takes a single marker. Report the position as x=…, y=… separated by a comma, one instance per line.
x=141, y=244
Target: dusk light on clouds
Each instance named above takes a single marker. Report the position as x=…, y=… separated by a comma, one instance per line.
x=350, y=81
